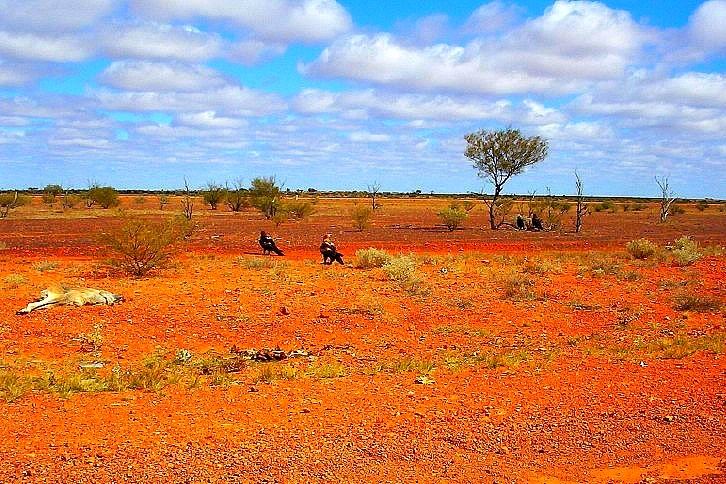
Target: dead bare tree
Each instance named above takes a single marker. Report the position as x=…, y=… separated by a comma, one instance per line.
x=187, y=202
x=581, y=208
x=373, y=190
x=666, y=198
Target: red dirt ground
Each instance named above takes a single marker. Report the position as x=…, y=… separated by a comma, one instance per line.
x=592, y=376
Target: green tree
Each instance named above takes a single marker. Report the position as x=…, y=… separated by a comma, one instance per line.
x=213, y=195
x=361, y=217
x=500, y=155
x=265, y=196
x=236, y=197
x=452, y=217
x=9, y=201
x=106, y=197
x=50, y=194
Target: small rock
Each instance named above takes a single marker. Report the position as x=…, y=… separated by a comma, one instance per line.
x=284, y=311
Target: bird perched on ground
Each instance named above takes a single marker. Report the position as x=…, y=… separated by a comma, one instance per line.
x=329, y=252
x=268, y=244
x=537, y=222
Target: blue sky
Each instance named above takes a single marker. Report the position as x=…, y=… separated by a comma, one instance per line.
x=335, y=95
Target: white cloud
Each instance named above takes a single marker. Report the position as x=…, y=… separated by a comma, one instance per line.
x=281, y=20
x=707, y=26
x=369, y=103
x=691, y=103
x=492, y=17
x=161, y=41
x=692, y=88
x=366, y=137
x=251, y=51
x=160, y=77
x=228, y=100
x=572, y=44
x=52, y=15
x=62, y=48
x=17, y=74
x=209, y=119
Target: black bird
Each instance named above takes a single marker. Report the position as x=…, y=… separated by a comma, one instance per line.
x=537, y=222
x=329, y=252
x=268, y=244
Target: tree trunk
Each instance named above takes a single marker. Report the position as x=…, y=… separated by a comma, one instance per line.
x=493, y=209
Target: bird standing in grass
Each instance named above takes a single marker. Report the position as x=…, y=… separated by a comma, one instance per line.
x=268, y=244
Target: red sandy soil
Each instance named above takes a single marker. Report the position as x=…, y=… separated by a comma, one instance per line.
x=591, y=397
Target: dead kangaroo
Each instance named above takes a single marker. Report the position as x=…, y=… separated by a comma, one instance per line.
x=77, y=296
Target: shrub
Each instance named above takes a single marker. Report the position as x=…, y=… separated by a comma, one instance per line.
x=402, y=270
x=43, y=266
x=69, y=200
x=641, y=248
x=519, y=286
x=361, y=216
x=214, y=195
x=676, y=210
x=452, y=218
x=369, y=258
x=542, y=267
x=9, y=201
x=50, y=194
x=163, y=200
x=696, y=302
x=92, y=341
x=702, y=205
x=265, y=196
x=281, y=216
x=236, y=197
x=604, y=206
x=299, y=209
x=14, y=280
x=106, y=197
x=140, y=246
x=686, y=251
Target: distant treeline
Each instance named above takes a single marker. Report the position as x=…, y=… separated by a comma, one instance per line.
x=312, y=192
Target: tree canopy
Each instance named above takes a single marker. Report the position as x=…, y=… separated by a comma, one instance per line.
x=500, y=155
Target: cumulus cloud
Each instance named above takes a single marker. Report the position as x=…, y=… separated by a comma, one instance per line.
x=691, y=102
x=52, y=15
x=707, y=26
x=252, y=51
x=17, y=74
x=366, y=137
x=209, y=119
x=492, y=17
x=369, y=103
x=160, y=77
x=572, y=44
x=280, y=20
x=228, y=100
x=36, y=47
x=160, y=41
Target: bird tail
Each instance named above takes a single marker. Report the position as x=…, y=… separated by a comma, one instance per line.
x=278, y=251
